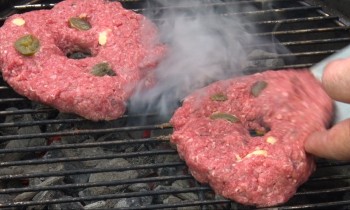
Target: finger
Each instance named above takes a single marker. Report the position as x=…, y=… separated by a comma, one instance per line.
x=331, y=144
x=336, y=80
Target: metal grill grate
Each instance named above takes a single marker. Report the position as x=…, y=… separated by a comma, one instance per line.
x=55, y=172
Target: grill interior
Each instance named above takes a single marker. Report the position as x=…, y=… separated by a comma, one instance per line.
x=50, y=160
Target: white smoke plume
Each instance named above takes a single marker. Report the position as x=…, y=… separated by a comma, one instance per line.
x=203, y=47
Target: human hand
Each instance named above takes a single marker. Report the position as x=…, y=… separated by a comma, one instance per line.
x=335, y=142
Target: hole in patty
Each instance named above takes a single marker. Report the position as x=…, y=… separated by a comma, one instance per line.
x=258, y=132
x=78, y=54
x=259, y=128
x=73, y=49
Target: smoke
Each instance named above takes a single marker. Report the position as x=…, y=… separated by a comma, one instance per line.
x=204, y=46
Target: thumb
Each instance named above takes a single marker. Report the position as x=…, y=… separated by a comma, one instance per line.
x=331, y=144
x=336, y=80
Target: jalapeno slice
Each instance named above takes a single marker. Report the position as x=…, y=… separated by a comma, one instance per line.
x=27, y=45
x=257, y=88
x=225, y=116
x=102, y=69
x=79, y=23
x=218, y=97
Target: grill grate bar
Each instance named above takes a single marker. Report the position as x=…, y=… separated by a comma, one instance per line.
x=4, y=88
x=292, y=20
x=255, y=12
x=182, y=204
x=7, y=100
x=309, y=42
x=303, y=31
x=26, y=111
x=73, y=159
x=41, y=122
x=333, y=190
x=82, y=132
x=33, y=6
x=112, y=196
x=159, y=139
x=292, y=66
x=295, y=66
x=283, y=21
x=45, y=110
x=325, y=52
x=278, y=12
x=315, y=205
x=56, y=121
x=87, y=171
x=333, y=177
x=96, y=184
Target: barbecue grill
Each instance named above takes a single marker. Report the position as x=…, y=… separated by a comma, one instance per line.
x=50, y=160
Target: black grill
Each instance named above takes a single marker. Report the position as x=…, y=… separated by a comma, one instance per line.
x=53, y=174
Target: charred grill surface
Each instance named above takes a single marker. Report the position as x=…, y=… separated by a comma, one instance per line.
x=51, y=160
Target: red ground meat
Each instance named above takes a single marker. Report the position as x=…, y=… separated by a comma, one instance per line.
x=261, y=170
x=49, y=76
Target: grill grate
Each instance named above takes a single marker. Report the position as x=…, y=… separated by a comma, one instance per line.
x=71, y=147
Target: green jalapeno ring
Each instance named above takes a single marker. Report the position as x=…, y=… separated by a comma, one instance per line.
x=219, y=97
x=102, y=69
x=79, y=23
x=224, y=116
x=257, y=88
x=27, y=45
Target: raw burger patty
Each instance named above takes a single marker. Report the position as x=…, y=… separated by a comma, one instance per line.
x=213, y=134
x=120, y=39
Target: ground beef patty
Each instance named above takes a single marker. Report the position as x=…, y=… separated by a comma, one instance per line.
x=245, y=136
x=122, y=48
